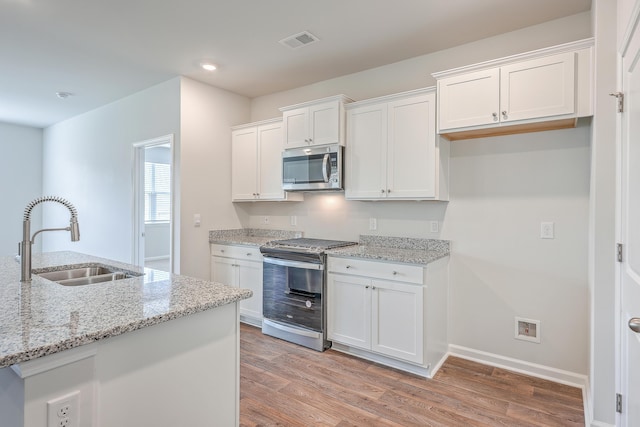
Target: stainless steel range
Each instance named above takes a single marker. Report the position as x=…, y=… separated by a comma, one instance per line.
x=294, y=286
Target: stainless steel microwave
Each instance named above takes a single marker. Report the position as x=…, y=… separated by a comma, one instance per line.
x=312, y=168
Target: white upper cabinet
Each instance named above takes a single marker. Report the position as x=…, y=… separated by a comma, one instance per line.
x=538, y=88
x=541, y=90
x=470, y=99
x=318, y=122
x=393, y=151
x=256, y=162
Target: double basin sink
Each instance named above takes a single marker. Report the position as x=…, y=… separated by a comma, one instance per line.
x=86, y=274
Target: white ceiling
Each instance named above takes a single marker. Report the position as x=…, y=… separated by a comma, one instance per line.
x=101, y=51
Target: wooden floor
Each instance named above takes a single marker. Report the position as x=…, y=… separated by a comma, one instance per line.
x=283, y=384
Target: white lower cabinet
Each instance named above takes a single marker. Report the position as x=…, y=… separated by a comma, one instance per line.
x=381, y=316
x=241, y=267
x=381, y=310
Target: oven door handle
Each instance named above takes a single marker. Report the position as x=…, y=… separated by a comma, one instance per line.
x=294, y=264
x=297, y=331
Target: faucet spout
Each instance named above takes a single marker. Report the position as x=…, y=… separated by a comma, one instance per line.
x=24, y=248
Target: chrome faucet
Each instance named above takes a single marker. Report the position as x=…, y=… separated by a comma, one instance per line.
x=24, y=248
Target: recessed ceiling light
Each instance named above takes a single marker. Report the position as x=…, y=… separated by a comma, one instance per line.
x=208, y=66
x=63, y=95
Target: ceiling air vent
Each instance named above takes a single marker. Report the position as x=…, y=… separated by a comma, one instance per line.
x=296, y=41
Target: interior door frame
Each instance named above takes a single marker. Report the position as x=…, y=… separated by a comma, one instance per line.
x=138, y=198
x=620, y=329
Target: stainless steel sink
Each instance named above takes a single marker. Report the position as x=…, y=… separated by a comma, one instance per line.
x=85, y=275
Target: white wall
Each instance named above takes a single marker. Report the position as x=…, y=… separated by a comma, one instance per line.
x=21, y=177
x=501, y=189
x=207, y=114
x=88, y=160
x=416, y=72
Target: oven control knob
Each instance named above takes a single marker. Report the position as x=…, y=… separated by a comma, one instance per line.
x=308, y=304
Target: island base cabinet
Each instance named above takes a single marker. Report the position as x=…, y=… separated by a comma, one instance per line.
x=183, y=372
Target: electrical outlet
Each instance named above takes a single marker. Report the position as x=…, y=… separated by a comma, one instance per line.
x=265, y=220
x=373, y=224
x=433, y=226
x=547, y=230
x=63, y=411
x=294, y=220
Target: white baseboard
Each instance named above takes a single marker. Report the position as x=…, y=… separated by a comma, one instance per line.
x=600, y=424
x=521, y=366
x=534, y=370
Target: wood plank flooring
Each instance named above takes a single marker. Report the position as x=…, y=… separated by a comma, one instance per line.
x=283, y=384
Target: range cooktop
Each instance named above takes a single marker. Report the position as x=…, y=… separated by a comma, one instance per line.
x=303, y=244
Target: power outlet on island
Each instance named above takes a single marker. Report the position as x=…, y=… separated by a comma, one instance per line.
x=63, y=411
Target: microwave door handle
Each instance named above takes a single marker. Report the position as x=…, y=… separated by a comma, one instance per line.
x=325, y=167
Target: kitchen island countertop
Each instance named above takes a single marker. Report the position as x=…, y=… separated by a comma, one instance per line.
x=44, y=317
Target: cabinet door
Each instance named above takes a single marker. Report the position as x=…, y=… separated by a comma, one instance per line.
x=471, y=99
x=349, y=310
x=397, y=320
x=270, y=162
x=538, y=88
x=325, y=122
x=223, y=270
x=411, y=147
x=366, y=152
x=250, y=277
x=296, y=127
x=244, y=175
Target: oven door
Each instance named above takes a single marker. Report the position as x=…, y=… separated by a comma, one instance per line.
x=292, y=292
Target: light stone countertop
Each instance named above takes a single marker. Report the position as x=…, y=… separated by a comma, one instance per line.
x=43, y=317
x=250, y=236
x=407, y=256
x=395, y=249
x=382, y=248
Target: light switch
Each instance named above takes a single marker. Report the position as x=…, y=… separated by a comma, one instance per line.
x=196, y=220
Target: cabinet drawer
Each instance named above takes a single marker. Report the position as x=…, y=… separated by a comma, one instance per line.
x=377, y=269
x=237, y=252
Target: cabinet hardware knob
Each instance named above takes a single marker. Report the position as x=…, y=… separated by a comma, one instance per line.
x=366, y=287
x=382, y=191
x=222, y=250
x=395, y=273
x=495, y=117
x=634, y=324
x=348, y=266
x=373, y=287
x=504, y=114
x=248, y=253
x=388, y=190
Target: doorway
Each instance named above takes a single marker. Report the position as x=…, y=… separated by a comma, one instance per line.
x=153, y=203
